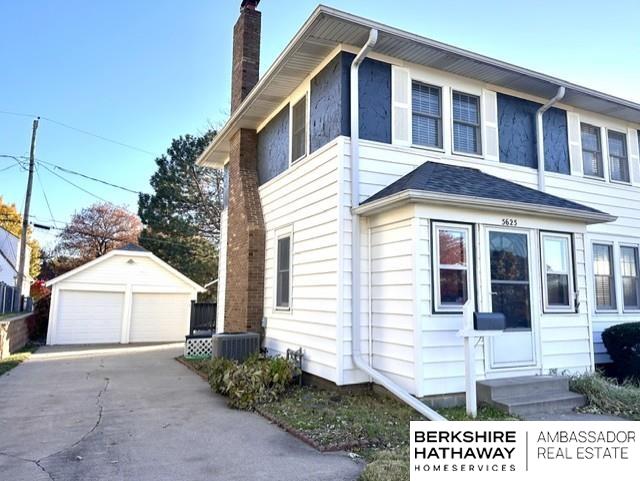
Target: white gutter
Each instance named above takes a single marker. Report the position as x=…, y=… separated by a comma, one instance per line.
x=356, y=353
x=540, y=134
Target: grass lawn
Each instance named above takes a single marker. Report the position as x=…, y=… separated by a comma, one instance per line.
x=372, y=425
x=12, y=361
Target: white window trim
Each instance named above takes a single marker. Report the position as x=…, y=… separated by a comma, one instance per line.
x=545, y=294
x=442, y=88
x=637, y=248
x=293, y=102
x=614, y=276
x=282, y=233
x=435, y=264
x=477, y=155
x=626, y=148
x=602, y=151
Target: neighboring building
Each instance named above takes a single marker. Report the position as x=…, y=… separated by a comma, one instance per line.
x=451, y=206
x=127, y=295
x=10, y=261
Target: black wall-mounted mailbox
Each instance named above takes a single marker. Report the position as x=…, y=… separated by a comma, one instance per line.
x=489, y=321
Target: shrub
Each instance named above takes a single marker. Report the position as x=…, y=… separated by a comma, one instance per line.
x=38, y=321
x=607, y=396
x=257, y=380
x=623, y=344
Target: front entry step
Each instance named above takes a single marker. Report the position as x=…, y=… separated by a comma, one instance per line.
x=530, y=395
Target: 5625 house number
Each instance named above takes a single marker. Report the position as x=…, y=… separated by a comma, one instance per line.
x=510, y=222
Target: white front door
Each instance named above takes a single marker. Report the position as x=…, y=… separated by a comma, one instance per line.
x=508, y=289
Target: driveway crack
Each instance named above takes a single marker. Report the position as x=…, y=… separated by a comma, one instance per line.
x=27, y=460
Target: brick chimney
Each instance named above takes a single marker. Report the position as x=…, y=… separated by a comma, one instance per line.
x=244, y=289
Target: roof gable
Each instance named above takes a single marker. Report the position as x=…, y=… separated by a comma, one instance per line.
x=110, y=269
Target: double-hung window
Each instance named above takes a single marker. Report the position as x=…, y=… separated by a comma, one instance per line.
x=426, y=122
x=466, y=123
x=591, y=151
x=299, y=130
x=618, y=160
x=630, y=279
x=452, y=269
x=604, y=277
x=283, y=272
x=557, y=272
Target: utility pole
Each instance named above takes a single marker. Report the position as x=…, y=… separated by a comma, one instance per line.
x=27, y=205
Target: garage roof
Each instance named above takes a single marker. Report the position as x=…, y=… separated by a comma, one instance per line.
x=327, y=28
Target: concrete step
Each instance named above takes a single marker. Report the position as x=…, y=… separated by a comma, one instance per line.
x=541, y=403
x=491, y=389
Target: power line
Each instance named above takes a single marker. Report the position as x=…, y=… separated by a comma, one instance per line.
x=95, y=179
x=7, y=168
x=85, y=132
x=44, y=193
x=75, y=185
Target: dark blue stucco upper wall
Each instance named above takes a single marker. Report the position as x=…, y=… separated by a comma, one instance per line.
x=517, y=134
x=273, y=147
x=329, y=108
x=374, y=92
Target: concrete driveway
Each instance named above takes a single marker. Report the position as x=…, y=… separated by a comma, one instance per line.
x=133, y=413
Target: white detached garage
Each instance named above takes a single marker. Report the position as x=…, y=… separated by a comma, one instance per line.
x=127, y=295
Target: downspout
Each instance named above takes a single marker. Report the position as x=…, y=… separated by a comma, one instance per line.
x=540, y=134
x=356, y=352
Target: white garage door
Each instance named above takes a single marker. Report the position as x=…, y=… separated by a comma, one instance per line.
x=87, y=317
x=159, y=317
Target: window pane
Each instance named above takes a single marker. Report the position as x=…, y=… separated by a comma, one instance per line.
x=509, y=257
x=630, y=288
x=591, y=150
x=558, y=289
x=602, y=260
x=619, y=169
x=513, y=301
x=604, y=292
x=298, y=129
x=628, y=261
x=453, y=287
x=465, y=108
x=283, y=271
x=426, y=131
x=425, y=99
x=465, y=138
x=452, y=246
x=556, y=254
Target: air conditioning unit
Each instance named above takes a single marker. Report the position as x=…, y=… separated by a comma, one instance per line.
x=235, y=346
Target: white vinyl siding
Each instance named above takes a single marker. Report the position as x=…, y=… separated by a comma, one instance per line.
x=303, y=200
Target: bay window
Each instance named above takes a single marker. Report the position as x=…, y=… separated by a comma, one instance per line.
x=452, y=266
x=557, y=272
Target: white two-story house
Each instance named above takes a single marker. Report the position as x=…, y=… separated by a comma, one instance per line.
x=444, y=190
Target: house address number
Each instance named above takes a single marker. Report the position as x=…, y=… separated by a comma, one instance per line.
x=510, y=221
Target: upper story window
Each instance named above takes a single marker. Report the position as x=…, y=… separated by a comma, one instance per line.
x=630, y=278
x=299, y=130
x=452, y=273
x=618, y=161
x=283, y=272
x=466, y=123
x=604, y=277
x=591, y=151
x=557, y=272
x=426, y=102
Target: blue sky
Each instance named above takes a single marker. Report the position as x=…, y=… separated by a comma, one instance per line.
x=142, y=72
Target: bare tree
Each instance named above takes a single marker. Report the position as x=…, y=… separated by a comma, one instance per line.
x=98, y=229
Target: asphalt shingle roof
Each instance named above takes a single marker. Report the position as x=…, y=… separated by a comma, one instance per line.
x=465, y=181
